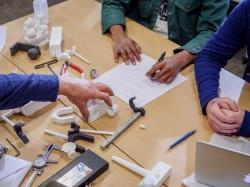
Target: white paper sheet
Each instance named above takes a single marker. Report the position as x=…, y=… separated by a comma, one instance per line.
x=3, y=36
x=13, y=170
x=230, y=85
x=130, y=81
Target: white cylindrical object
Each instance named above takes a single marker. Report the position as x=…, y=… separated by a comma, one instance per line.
x=133, y=167
x=60, y=135
x=96, y=132
x=81, y=58
x=41, y=9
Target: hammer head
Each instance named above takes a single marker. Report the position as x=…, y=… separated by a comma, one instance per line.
x=156, y=176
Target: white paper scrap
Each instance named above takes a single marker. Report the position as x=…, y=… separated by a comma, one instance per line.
x=131, y=81
x=3, y=37
x=230, y=85
x=13, y=170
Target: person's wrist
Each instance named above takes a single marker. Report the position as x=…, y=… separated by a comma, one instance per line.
x=64, y=86
x=209, y=103
x=117, y=32
x=185, y=58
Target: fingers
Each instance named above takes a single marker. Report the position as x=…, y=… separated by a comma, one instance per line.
x=105, y=88
x=124, y=56
x=102, y=96
x=231, y=103
x=222, y=118
x=154, y=69
x=127, y=49
x=130, y=55
x=170, y=79
x=116, y=55
x=84, y=111
x=164, y=71
x=137, y=51
x=215, y=109
x=163, y=78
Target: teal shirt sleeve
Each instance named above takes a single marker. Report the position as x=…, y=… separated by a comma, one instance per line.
x=113, y=13
x=212, y=15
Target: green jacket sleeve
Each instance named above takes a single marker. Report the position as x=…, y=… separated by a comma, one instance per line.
x=113, y=13
x=212, y=14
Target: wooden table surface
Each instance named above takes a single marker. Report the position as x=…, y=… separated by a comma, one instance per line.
x=167, y=117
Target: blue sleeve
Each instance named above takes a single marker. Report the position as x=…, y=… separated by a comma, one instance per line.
x=224, y=44
x=245, y=127
x=17, y=90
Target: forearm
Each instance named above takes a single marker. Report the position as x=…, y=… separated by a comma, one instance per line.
x=17, y=90
x=113, y=13
x=207, y=78
x=245, y=127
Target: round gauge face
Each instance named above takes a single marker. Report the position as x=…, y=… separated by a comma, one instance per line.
x=39, y=162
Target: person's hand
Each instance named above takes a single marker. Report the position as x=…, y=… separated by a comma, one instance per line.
x=79, y=92
x=124, y=47
x=224, y=116
x=167, y=70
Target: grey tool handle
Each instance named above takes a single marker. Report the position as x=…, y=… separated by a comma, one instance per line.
x=31, y=179
x=120, y=130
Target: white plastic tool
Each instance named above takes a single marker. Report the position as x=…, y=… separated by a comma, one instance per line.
x=56, y=39
x=32, y=107
x=36, y=31
x=152, y=178
x=87, y=131
x=98, y=108
x=28, y=110
x=41, y=9
x=59, y=117
x=53, y=133
x=72, y=52
x=69, y=148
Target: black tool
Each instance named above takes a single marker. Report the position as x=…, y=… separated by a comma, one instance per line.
x=139, y=112
x=16, y=126
x=18, y=129
x=80, y=172
x=33, y=51
x=75, y=134
x=46, y=63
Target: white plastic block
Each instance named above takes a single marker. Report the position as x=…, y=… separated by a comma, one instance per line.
x=30, y=108
x=56, y=39
x=152, y=178
x=159, y=173
x=99, y=108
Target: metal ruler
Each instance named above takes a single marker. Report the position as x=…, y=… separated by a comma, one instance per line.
x=139, y=112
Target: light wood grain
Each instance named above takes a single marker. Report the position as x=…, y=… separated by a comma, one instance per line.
x=167, y=117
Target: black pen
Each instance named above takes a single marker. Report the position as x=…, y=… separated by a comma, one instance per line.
x=181, y=139
x=161, y=58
